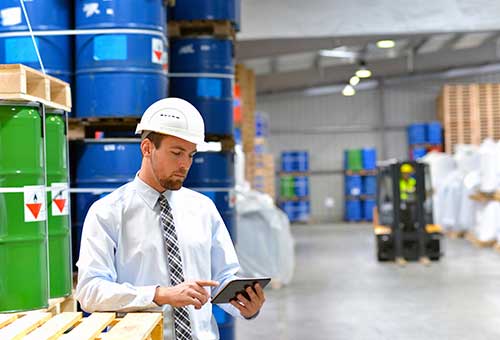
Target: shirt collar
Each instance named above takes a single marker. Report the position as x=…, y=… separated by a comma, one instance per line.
x=148, y=193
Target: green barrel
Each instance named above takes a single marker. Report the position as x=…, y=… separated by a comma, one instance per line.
x=287, y=187
x=24, y=281
x=58, y=213
x=354, y=160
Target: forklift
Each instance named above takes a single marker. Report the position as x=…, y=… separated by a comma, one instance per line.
x=403, y=220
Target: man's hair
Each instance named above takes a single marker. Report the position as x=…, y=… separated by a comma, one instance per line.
x=154, y=137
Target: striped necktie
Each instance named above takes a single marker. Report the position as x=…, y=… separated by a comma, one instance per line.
x=182, y=324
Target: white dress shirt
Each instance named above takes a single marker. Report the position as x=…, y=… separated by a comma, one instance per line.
x=123, y=257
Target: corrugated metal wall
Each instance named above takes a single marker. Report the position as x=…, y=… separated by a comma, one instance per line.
x=326, y=125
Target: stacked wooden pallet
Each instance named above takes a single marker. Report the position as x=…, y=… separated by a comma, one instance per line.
x=22, y=83
x=260, y=172
x=72, y=326
x=245, y=83
x=489, y=111
x=458, y=111
x=470, y=113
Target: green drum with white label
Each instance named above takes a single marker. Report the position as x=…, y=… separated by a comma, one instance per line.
x=58, y=206
x=24, y=281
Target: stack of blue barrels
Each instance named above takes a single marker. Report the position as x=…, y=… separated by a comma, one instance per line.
x=202, y=72
x=424, y=138
x=360, y=190
x=294, y=186
x=118, y=76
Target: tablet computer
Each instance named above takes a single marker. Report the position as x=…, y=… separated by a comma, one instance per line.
x=233, y=287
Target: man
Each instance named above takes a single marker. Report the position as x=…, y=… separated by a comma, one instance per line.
x=153, y=244
x=407, y=183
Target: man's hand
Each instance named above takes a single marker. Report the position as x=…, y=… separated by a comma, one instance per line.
x=249, y=308
x=184, y=294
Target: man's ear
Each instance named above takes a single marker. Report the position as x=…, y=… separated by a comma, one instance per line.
x=146, y=147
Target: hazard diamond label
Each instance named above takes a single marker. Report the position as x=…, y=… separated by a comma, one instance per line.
x=35, y=206
x=59, y=196
x=158, y=52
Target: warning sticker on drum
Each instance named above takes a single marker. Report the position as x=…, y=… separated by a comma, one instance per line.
x=59, y=196
x=35, y=206
x=158, y=53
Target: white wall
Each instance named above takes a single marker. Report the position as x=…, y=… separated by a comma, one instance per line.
x=327, y=125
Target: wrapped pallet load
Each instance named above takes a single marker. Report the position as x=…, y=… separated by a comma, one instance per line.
x=489, y=166
x=440, y=165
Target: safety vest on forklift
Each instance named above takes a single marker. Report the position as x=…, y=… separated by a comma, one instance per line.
x=407, y=188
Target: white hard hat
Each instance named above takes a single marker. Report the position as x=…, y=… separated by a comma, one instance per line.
x=175, y=117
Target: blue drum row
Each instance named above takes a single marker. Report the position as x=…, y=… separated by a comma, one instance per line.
x=425, y=133
x=358, y=210
x=295, y=161
x=356, y=185
x=299, y=211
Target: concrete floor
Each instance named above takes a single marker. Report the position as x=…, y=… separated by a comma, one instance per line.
x=341, y=292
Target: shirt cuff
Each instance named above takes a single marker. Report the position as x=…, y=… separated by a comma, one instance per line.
x=147, y=294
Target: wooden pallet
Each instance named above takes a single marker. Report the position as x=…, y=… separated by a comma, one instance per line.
x=216, y=28
x=80, y=128
x=71, y=326
x=61, y=305
x=245, y=79
x=361, y=172
x=478, y=243
x=22, y=83
x=455, y=234
x=227, y=142
x=458, y=110
x=489, y=111
x=485, y=196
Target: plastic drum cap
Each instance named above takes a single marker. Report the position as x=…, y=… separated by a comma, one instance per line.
x=175, y=117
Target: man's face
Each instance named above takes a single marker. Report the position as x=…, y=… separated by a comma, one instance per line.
x=170, y=163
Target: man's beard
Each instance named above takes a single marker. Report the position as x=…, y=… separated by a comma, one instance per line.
x=171, y=184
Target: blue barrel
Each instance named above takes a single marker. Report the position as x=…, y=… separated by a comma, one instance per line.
x=367, y=207
x=434, y=133
x=353, y=210
x=211, y=170
x=287, y=161
x=417, y=133
x=369, y=185
x=295, y=161
x=297, y=211
x=120, y=74
x=302, y=211
x=418, y=153
x=353, y=185
x=55, y=51
x=100, y=164
x=225, y=323
x=204, y=10
x=301, y=186
x=369, y=158
x=212, y=174
x=201, y=73
x=289, y=208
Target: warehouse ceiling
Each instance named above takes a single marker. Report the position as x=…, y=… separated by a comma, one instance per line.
x=323, y=42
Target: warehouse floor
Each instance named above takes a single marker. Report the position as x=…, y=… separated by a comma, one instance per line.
x=340, y=292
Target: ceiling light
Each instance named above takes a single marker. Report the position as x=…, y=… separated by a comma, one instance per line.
x=339, y=52
x=386, y=44
x=348, y=91
x=354, y=80
x=363, y=72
